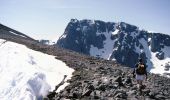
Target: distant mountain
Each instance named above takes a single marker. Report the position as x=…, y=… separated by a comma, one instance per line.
x=121, y=41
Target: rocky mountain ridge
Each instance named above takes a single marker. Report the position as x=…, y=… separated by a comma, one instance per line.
x=121, y=41
x=97, y=78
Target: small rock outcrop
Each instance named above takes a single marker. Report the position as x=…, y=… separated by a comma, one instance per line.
x=160, y=55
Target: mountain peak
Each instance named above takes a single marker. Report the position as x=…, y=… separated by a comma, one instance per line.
x=121, y=41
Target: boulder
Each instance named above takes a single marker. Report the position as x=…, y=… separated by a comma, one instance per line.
x=120, y=94
x=167, y=67
x=160, y=97
x=119, y=80
x=51, y=95
x=160, y=55
x=87, y=92
x=128, y=81
x=102, y=87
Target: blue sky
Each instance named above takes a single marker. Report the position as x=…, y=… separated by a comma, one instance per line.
x=52, y=16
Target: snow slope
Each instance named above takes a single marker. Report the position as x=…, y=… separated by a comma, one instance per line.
x=26, y=74
x=159, y=65
x=107, y=49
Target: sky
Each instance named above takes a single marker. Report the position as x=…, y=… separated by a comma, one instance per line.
x=49, y=18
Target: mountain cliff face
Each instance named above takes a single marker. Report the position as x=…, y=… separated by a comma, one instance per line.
x=122, y=42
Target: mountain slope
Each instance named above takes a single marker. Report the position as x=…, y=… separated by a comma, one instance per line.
x=93, y=78
x=26, y=74
x=122, y=42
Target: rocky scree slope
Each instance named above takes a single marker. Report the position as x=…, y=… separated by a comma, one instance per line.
x=96, y=78
x=107, y=80
x=121, y=41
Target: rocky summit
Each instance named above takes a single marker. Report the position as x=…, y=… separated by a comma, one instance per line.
x=121, y=41
x=97, y=78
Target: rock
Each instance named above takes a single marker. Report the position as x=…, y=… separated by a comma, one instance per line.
x=115, y=85
x=160, y=97
x=102, y=87
x=96, y=97
x=75, y=95
x=117, y=72
x=91, y=87
x=152, y=95
x=165, y=92
x=51, y=95
x=96, y=94
x=86, y=81
x=143, y=87
x=132, y=92
x=122, y=95
x=160, y=55
x=146, y=92
x=119, y=80
x=99, y=82
x=111, y=86
x=70, y=95
x=87, y=92
x=166, y=74
x=128, y=80
x=68, y=90
x=167, y=67
x=92, y=62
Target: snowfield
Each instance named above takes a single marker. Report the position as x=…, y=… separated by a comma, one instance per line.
x=28, y=75
x=159, y=65
x=107, y=49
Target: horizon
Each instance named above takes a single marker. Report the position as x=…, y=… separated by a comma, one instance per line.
x=51, y=17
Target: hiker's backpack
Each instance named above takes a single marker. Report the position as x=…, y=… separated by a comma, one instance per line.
x=140, y=69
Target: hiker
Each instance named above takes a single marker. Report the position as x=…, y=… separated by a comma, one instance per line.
x=139, y=73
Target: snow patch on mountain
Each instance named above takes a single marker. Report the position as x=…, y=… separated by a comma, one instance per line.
x=16, y=34
x=107, y=50
x=63, y=36
x=137, y=49
x=115, y=32
x=26, y=74
x=159, y=65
